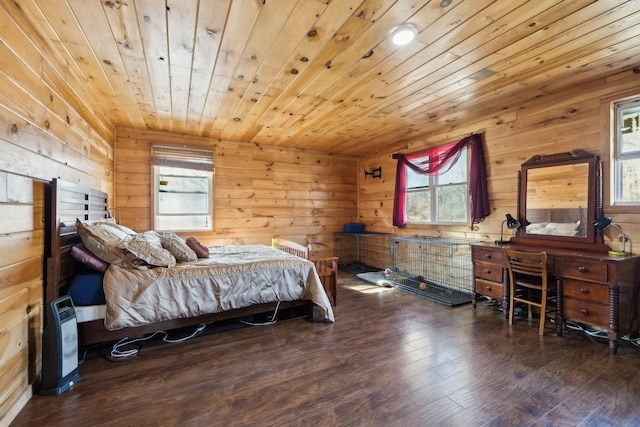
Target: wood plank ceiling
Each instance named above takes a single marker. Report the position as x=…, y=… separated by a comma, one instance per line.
x=323, y=74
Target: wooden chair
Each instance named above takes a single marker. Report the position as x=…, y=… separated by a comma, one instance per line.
x=327, y=268
x=528, y=284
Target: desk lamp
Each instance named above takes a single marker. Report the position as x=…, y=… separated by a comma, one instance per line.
x=604, y=222
x=511, y=224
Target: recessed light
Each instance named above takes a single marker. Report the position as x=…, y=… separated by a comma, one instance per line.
x=403, y=34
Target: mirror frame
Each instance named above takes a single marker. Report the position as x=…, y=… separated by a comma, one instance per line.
x=594, y=202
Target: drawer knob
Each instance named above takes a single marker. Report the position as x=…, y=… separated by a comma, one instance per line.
x=584, y=291
x=584, y=311
x=486, y=270
x=487, y=288
x=488, y=256
x=582, y=269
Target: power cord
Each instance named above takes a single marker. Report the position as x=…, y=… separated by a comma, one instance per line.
x=602, y=333
x=493, y=303
x=116, y=353
x=270, y=319
x=596, y=333
x=633, y=341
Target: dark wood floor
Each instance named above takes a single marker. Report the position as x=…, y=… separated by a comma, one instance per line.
x=390, y=359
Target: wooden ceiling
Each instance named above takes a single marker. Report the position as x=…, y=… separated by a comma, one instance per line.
x=322, y=74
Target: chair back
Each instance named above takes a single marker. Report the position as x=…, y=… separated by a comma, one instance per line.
x=528, y=284
x=526, y=265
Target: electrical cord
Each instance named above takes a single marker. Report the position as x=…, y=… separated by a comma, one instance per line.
x=596, y=333
x=601, y=333
x=633, y=341
x=493, y=304
x=117, y=353
x=270, y=319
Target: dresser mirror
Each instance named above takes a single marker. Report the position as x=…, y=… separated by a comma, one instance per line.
x=560, y=196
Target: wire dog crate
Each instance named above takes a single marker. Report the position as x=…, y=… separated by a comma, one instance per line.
x=366, y=249
x=435, y=268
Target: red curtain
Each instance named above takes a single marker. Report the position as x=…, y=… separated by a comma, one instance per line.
x=440, y=160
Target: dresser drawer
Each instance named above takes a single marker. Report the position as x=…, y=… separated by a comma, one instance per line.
x=490, y=289
x=487, y=255
x=581, y=269
x=586, y=312
x=487, y=271
x=587, y=291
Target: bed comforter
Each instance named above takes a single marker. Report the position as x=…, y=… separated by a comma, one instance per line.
x=232, y=277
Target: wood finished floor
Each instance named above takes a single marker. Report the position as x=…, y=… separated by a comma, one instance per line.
x=390, y=359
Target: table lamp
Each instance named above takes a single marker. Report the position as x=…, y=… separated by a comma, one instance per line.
x=604, y=222
x=511, y=224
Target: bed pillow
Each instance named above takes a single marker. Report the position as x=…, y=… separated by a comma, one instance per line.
x=563, y=228
x=201, y=250
x=178, y=247
x=147, y=246
x=105, y=243
x=81, y=254
x=121, y=228
x=86, y=289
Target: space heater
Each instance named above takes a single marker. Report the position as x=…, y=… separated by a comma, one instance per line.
x=59, y=347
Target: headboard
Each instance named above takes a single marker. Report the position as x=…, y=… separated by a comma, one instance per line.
x=66, y=201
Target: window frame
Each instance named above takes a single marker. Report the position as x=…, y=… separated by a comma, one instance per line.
x=433, y=188
x=609, y=150
x=185, y=163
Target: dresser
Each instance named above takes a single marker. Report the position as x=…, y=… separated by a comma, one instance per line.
x=489, y=275
x=593, y=288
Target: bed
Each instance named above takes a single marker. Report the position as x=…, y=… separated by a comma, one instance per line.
x=227, y=282
x=557, y=222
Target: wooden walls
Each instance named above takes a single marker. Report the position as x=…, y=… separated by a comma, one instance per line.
x=57, y=101
x=550, y=124
x=44, y=132
x=260, y=191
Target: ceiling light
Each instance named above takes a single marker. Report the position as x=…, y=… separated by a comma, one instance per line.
x=403, y=34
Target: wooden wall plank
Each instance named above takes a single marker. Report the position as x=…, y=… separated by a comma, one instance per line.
x=564, y=121
x=52, y=124
x=260, y=191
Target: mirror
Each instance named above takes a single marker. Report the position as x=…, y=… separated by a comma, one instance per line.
x=560, y=196
x=557, y=200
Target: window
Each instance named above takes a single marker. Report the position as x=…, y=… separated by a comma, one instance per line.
x=443, y=198
x=183, y=182
x=440, y=198
x=625, y=152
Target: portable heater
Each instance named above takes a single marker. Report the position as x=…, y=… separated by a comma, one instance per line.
x=59, y=347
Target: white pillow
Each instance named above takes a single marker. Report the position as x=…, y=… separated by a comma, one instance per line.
x=121, y=228
x=563, y=228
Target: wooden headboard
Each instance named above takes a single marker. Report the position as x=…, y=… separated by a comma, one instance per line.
x=66, y=201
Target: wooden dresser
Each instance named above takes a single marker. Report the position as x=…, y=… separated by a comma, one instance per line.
x=594, y=288
x=489, y=274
